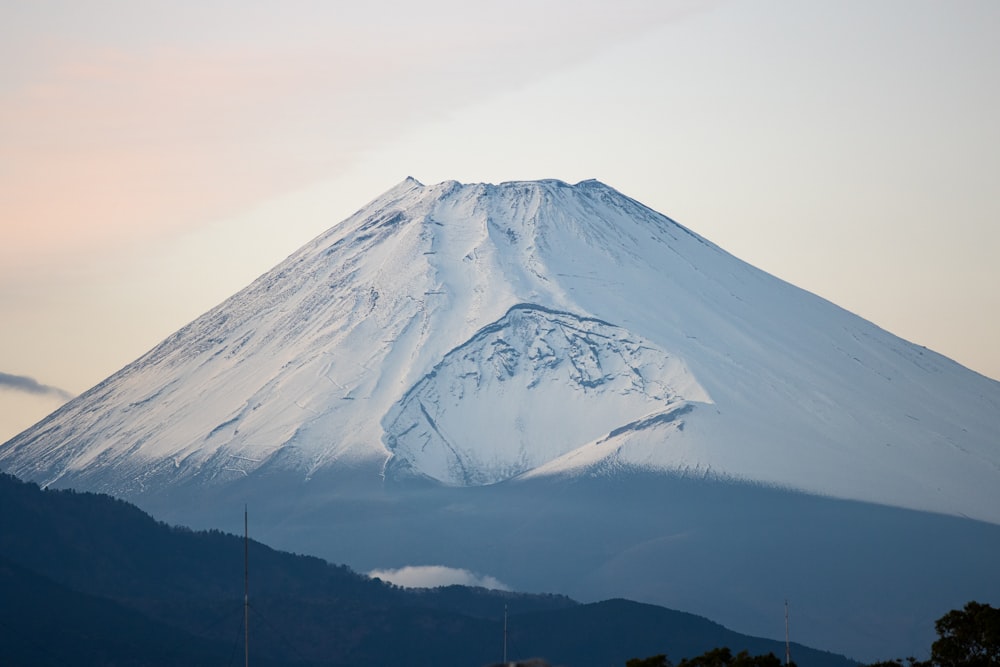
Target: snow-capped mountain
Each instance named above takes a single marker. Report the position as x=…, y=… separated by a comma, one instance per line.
x=461, y=336
x=472, y=333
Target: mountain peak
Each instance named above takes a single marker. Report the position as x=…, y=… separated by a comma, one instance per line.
x=474, y=333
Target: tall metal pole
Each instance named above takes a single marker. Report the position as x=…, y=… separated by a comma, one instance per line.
x=505, y=634
x=246, y=590
x=788, y=646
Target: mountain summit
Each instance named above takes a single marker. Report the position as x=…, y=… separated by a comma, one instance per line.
x=460, y=337
x=474, y=333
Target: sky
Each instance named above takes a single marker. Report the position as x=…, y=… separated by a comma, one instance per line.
x=156, y=157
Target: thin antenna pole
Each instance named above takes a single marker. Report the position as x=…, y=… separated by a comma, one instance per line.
x=246, y=590
x=788, y=646
x=505, y=634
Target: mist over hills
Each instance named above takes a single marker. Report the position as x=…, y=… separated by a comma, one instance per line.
x=554, y=385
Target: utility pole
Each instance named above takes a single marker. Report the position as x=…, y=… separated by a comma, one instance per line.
x=246, y=589
x=505, y=634
x=788, y=646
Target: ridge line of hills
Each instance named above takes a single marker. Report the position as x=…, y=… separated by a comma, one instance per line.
x=93, y=580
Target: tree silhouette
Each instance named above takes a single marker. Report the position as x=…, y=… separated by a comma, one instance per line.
x=716, y=657
x=652, y=661
x=968, y=637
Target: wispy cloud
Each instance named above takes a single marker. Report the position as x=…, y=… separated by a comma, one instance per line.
x=432, y=576
x=29, y=385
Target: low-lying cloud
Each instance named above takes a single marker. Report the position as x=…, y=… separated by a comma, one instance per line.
x=432, y=576
x=29, y=385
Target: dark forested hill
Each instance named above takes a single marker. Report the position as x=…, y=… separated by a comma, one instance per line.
x=44, y=623
x=90, y=580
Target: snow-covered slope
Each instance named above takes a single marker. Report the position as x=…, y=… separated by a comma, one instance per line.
x=528, y=389
x=464, y=375
x=473, y=333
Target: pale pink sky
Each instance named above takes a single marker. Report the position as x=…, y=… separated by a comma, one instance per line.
x=155, y=157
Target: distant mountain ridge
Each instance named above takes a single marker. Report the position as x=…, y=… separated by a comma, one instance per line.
x=95, y=581
x=480, y=353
